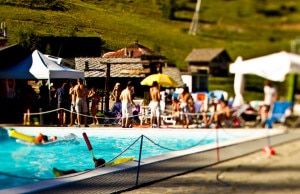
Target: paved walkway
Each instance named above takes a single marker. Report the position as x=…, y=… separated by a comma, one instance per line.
x=256, y=173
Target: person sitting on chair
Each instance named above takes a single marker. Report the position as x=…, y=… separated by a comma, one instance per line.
x=175, y=108
x=218, y=116
x=270, y=96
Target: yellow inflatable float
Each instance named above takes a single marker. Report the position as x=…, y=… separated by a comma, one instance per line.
x=13, y=133
x=120, y=161
x=59, y=173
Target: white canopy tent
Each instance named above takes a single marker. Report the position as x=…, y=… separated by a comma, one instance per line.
x=38, y=66
x=272, y=67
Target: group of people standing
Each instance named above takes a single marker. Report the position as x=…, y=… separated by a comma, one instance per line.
x=74, y=98
x=123, y=102
x=69, y=97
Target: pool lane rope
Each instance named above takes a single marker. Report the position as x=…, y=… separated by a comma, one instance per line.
x=88, y=143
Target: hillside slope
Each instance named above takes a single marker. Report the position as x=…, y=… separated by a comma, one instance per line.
x=235, y=25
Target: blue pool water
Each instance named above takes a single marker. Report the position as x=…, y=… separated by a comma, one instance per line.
x=22, y=164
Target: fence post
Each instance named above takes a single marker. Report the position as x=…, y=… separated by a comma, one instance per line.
x=61, y=117
x=217, y=142
x=41, y=116
x=268, y=149
x=139, y=162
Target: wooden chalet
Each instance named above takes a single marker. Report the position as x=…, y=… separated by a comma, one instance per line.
x=211, y=61
x=132, y=63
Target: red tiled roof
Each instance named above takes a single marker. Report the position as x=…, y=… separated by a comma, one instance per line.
x=122, y=67
x=133, y=51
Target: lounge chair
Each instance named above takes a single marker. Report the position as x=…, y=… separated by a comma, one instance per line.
x=278, y=112
x=236, y=119
x=165, y=117
x=168, y=119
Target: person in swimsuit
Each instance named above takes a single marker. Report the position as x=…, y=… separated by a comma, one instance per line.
x=81, y=107
x=175, y=108
x=127, y=105
x=95, y=98
x=185, y=98
x=155, y=104
x=223, y=113
x=98, y=164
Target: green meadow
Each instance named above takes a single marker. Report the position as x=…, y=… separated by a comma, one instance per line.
x=247, y=28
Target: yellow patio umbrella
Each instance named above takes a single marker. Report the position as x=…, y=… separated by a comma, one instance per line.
x=162, y=80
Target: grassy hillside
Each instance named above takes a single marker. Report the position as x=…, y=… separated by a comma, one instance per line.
x=248, y=28
x=231, y=24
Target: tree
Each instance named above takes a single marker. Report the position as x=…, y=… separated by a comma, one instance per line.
x=27, y=38
x=168, y=9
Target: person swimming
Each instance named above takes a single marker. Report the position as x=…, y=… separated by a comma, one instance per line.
x=98, y=164
x=41, y=138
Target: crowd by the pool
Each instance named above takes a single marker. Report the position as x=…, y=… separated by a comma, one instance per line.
x=72, y=103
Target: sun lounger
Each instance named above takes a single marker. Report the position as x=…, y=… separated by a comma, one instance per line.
x=279, y=111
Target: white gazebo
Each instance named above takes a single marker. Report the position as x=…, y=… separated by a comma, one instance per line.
x=273, y=67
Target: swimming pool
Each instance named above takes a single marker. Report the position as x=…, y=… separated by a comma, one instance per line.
x=35, y=163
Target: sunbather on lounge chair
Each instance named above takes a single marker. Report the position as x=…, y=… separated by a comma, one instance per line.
x=270, y=97
x=176, y=109
x=218, y=116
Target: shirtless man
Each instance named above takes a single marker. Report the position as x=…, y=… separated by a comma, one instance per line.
x=185, y=98
x=81, y=93
x=127, y=105
x=218, y=116
x=155, y=104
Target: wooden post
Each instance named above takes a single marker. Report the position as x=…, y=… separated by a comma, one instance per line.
x=107, y=86
x=292, y=82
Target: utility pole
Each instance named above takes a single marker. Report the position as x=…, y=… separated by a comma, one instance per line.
x=194, y=24
x=295, y=46
x=293, y=78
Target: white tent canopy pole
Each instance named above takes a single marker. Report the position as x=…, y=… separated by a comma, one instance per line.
x=239, y=86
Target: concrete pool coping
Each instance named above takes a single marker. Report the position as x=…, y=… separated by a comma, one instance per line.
x=54, y=183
